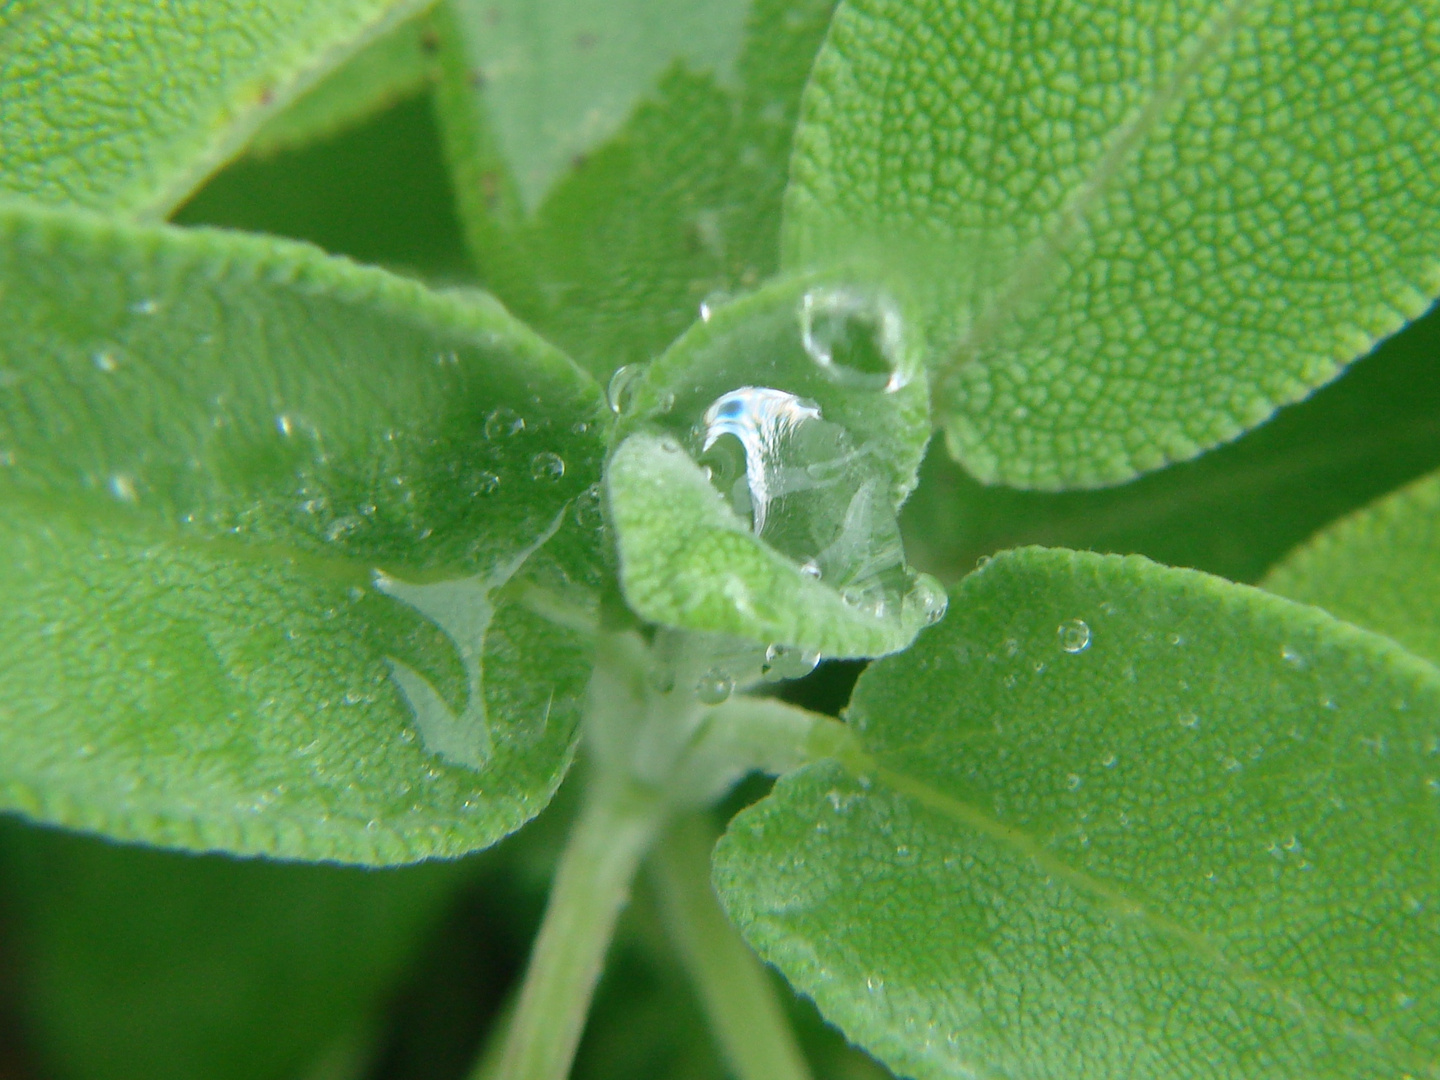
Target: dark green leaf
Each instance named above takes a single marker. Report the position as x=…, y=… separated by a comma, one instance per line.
x=221, y=454
x=1112, y=819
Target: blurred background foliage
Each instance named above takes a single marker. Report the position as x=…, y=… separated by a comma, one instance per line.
x=120, y=962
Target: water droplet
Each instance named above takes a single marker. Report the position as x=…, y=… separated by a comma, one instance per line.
x=855, y=336
x=929, y=597
x=7, y=458
x=714, y=687
x=764, y=421
x=1074, y=635
x=580, y=427
x=1073, y=781
x=811, y=569
x=1189, y=720
x=449, y=358
x=145, y=307
x=1175, y=639
x=1291, y=657
x=285, y=425
x=105, y=361
x=711, y=303
x=983, y=561
x=620, y=391
x=1109, y=761
x=503, y=423
x=785, y=662
x=486, y=483
x=342, y=526
x=547, y=465
x=123, y=488
x=588, y=512
x=875, y=983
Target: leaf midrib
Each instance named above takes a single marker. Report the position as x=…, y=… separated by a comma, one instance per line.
x=853, y=758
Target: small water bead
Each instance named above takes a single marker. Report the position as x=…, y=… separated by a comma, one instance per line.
x=786, y=662
x=1292, y=657
x=855, y=336
x=123, y=488
x=1074, y=635
x=714, y=687
x=620, y=391
x=929, y=597
x=285, y=425
x=503, y=423
x=811, y=569
x=711, y=302
x=547, y=465
x=145, y=307
x=105, y=361
x=588, y=511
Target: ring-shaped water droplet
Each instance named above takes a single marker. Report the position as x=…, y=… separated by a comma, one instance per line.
x=547, y=465
x=714, y=687
x=1074, y=635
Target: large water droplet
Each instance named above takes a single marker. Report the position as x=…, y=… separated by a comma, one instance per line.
x=1074, y=635
x=786, y=662
x=714, y=687
x=547, y=465
x=620, y=391
x=855, y=336
x=503, y=423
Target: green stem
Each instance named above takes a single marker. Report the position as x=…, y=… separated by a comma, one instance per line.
x=592, y=884
x=744, y=1011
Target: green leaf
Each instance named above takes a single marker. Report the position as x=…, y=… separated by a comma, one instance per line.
x=126, y=108
x=1378, y=568
x=1115, y=819
x=1235, y=511
x=389, y=69
x=807, y=550
x=135, y=963
x=1143, y=230
x=640, y=221
x=265, y=515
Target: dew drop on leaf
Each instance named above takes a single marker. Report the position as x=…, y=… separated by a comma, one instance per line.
x=1074, y=635
x=855, y=336
x=714, y=687
x=547, y=465
x=620, y=391
x=105, y=361
x=123, y=487
x=503, y=423
x=487, y=483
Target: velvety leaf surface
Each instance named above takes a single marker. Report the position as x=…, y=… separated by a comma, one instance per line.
x=650, y=216
x=395, y=66
x=124, y=106
x=265, y=519
x=1114, y=819
x=1144, y=227
x=1378, y=568
x=144, y=964
x=1235, y=511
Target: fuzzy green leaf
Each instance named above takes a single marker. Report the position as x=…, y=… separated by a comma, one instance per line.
x=1195, y=836
x=1143, y=228
x=265, y=520
x=398, y=65
x=128, y=107
x=641, y=220
x=1378, y=568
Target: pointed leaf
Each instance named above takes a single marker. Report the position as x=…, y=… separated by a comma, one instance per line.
x=1143, y=228
x=1113, y=819
x=254, y=499
x=1378, y=568
x=129, y=107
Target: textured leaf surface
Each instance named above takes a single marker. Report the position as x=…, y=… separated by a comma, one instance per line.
x=395, y=66
x=128, y=107
x=1144, y=226
x=1194, y=838
x=1379, y=568
x=1234, y=512
x=652, y=215
x=135, y=963
x=220, y=455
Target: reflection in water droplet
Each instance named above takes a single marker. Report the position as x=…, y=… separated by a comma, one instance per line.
x=714, y=687
x=1074, y=635
x=123, y=488
x=620, y=391
x=105, y=361
x=547, y=465
x=486, y=483
x=855, y=336
x=503, y=423
x=764, y=421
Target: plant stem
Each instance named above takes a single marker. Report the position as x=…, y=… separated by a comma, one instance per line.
x=739, y=999
x=592, y=884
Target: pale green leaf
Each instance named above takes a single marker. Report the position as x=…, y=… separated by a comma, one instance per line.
x=124, y=106
x=680, y=202
x=1142, y=228
x=136, y=963
x=1378, y=568
x=1113, y=819
x=398, y=65
x=289, y=560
